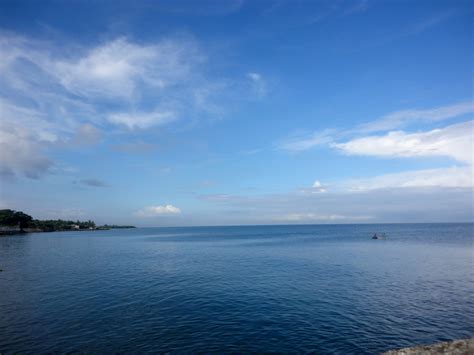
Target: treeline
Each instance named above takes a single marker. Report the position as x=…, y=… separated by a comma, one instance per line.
x=60, y=225
x=18, y=219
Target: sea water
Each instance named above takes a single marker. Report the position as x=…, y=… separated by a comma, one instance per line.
x=312, y=288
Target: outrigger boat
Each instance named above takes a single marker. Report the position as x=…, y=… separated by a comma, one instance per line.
x=379, y=236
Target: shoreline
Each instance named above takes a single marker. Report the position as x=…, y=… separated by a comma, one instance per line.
x=4, y=233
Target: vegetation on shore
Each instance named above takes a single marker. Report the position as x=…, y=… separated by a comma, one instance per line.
x=17, y=221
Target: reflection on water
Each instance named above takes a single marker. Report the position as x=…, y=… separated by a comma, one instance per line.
x=275, y=288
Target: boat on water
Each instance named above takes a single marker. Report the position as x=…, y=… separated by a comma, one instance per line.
x=379, y=236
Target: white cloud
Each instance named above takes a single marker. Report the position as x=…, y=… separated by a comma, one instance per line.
x=114, y=78
x=254, y=76
x=453, y=177
x=118, y=68
x=455, y=141
x=109, y=70
x=58, y=90
x=403, y=118
x=412, y=195
x=141, y=120
x=156, y=211
x=318, y=187
x=388, y=122
x=63, y=95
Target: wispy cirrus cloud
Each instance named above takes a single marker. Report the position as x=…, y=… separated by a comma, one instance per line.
x=298, y=144
x=123, y=69
x=429, y=22
x=401, y=119
x=110, y=70
x=59, y=94
x=358, y=6
x=116, y=73
x=55, y=98
x=295, y=13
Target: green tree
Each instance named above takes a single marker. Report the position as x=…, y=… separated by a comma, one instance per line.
x=14, y=218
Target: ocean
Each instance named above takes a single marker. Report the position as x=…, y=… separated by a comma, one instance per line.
x=289, y=289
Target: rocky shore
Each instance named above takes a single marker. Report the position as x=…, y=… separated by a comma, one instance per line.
x=455, y=347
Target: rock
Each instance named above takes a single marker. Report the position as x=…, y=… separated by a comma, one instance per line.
x=455, y=347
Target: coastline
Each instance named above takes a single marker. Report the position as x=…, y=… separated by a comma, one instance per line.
x=17, y=222
x=14, y=231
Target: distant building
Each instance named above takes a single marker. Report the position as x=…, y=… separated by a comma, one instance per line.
x=75, y=226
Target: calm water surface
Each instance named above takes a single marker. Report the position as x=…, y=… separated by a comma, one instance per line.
x=323, y=289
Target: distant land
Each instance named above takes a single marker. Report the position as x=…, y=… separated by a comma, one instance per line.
x=14, y=222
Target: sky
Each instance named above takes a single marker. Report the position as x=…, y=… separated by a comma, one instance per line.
x=229, y=112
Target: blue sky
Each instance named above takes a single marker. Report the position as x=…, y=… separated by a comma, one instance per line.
x=162, y=113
